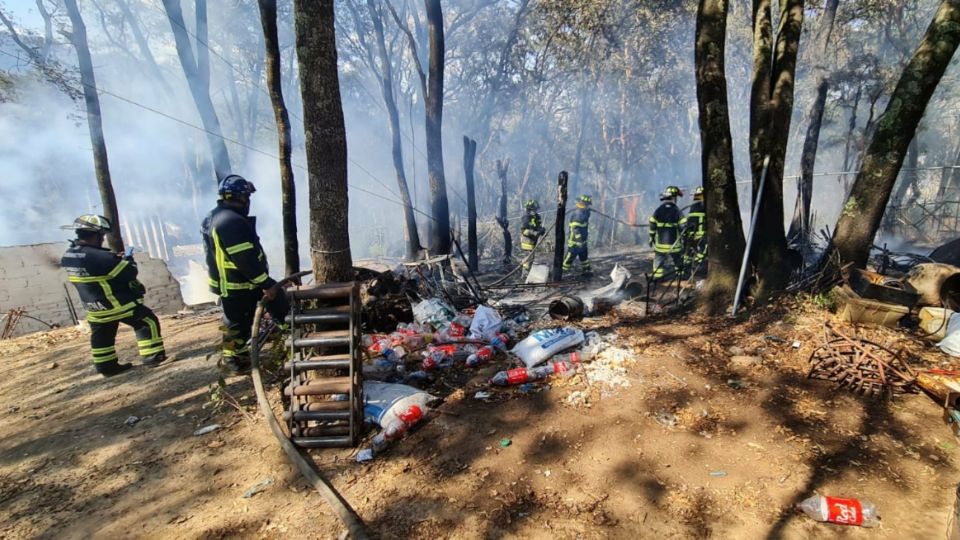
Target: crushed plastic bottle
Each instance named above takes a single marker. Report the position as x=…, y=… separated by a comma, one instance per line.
x=397, y=428
x=482, y=356
x=516, y=376
x=841, y=511
x=454, y=331
x=500, y=341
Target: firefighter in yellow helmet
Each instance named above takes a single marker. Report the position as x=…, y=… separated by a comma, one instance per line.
x=665, y=233
x=531, y=231
x=577, y=243
x=694, y=229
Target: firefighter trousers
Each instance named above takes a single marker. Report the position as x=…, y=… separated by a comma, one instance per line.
x=660, y=261
x=238, y=311
x=103, y=337
x=574, y=253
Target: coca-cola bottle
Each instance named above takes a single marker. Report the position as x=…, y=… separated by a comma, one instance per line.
x=482, y=356
x=397, y=428
x=842, y=511
x=524, y=375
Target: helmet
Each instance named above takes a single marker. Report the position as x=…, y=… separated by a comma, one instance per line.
x=90, y=223
x=585, y=200
x=234, y=185
x=698, y=193
x=531, y=204
x=670, y=192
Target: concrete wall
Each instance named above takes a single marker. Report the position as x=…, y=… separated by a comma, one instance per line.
x=31, y=278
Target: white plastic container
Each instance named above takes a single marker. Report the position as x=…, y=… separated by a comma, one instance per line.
x=933, y=321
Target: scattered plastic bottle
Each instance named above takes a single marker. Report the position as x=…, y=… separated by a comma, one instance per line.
x=517, y=376
x=482, y=356
x=841, y=511
x=500, y=341
x=438, y=356
x=397, y=428
x=375, y=343
x=451, y=332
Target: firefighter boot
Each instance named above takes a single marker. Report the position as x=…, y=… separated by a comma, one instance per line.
x=153, y=360
x=111, y=368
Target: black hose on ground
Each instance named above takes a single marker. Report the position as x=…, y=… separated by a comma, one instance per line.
x=340, y=506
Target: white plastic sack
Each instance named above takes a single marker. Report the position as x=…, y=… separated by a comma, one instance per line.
x=384, y=402
x=539, y=273
x=486, y=323
x=542, y=344
x=951, y=343
x=618, y=278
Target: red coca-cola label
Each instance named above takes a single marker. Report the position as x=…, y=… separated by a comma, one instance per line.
x=445, y=350
x=485, y=353
x=429, y=363
x=559, y=367
x=456, y=330
x=411, y=415
x=517, y=376
x=575, y=357
x=844, y=511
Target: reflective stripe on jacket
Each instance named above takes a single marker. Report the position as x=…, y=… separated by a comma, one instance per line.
x=107, y=283
x=579, y=223
x=665, y=228
x=235, y=258
x=695, y=224
x=531, y=231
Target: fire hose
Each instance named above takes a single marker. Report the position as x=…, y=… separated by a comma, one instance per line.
x=340, y=506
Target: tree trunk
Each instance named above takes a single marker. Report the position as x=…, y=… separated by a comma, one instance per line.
x=724, y=228
x=868, y=198
x=101, y=165
x=469, y=159
x=440, y=208
x=326, y=141
x=502, y=167
x=386, y=87
x=197, y=72
x=288, y=191
x=770, y=129
x=801, y=220
x=560, y=227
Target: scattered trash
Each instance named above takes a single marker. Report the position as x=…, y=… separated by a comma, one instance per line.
x=486, y=323
x=938, y=284
x=261, y=486
x=796, y=344
x=566, y=308
x=207, y=429
x=608, y=370
x=539, y=346
x=433, y=311
x=933, y=322
x=482, y=395
x=841, y=511
x=131, y=420
x=365, y=455
x=859, y=365
x=950, y=344
x=874, y=286
x=718, y=474
x=859, y=310
x=667, y=419
x=736, y=384
x=607, y=295
x=539, y=273
x=523, y=375
x=505, y=443
x=395, y=408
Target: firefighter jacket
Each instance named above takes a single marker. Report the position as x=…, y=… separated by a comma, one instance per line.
x=665, y=228
x=531, y=231
x=235, y=258
x=106, y=282
x=579, y=221
x=695, y=224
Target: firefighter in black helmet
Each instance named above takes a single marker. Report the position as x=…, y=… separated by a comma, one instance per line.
x=238, y=272
x=531, y=231
x=665, y=233
x=694, y=229
x=111, y=294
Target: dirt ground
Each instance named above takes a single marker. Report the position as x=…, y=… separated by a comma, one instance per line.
x=607, y=466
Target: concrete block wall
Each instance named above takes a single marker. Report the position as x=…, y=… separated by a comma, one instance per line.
x=31, y=278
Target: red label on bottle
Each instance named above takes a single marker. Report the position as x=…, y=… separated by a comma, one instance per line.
x=411, y=415
x=559, y=367
x=575, y=357
x=844, y=511
x=456, y=330
x=485, y=353
x=517, y=376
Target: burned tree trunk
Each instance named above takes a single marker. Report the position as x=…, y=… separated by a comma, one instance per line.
x=288, y=192
x=101, y=165
x=800, y=227
x=386, y=88
x=559, y=230
x=433, y=103
x=502, y=167
x=326, y=141
x=724, y=228
x=469, y=159
x=868, y=198
x=771, y=110
x=197, y=71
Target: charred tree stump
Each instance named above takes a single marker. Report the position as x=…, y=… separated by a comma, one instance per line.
x=502, y=167
x=469, y=159
x=559, y=227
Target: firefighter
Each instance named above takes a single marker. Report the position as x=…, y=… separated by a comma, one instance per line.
x=111, y=294
x=665, y=233
x=238, y=272
x=577, y=243
x=531, y=232
x=694, y=228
